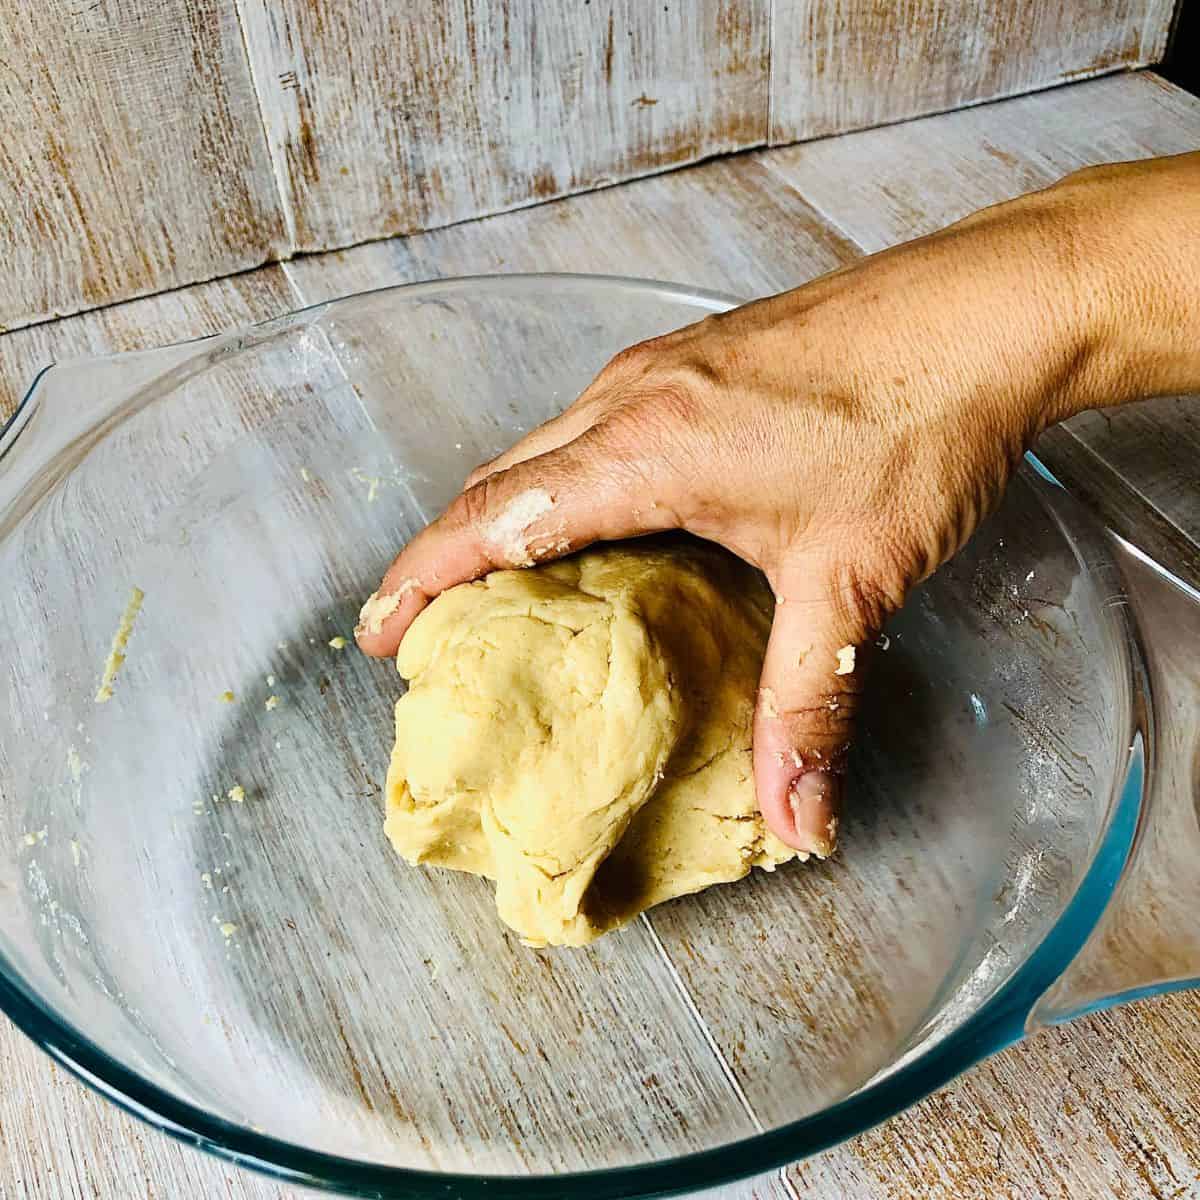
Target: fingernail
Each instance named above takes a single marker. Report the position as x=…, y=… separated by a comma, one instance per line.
x=815, y=798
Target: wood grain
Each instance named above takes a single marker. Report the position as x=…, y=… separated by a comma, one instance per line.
x=839, y=65
x=133, y=158
x=59, y=1140
x=1149, y=929
x=1104, y=1107
x=155, y=143
x=385, y=119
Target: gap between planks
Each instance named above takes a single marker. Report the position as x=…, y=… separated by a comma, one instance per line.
x=689, y=1003
x=274, y=152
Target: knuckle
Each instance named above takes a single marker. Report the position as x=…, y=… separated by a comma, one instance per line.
x=665, y=403
x=478, y=503
x=863, y=599
x=633, y=360
x=477, y=474
x=636, y=443
x=822, y=732
x=613, y=450
x=676, y=400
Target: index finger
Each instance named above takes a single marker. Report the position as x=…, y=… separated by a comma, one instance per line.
x=534, y=511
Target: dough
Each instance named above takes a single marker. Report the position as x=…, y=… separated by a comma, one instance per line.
x=580, y=732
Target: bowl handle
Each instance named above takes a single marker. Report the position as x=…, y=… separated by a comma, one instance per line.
x=1147, y=940
x=71, y=406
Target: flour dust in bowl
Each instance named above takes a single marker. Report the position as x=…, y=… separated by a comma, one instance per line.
x=202, y=915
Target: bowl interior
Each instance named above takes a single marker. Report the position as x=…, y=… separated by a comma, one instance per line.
x=270, y=961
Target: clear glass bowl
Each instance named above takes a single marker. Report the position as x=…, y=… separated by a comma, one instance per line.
x=264, y=978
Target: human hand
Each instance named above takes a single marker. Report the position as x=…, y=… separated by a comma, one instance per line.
x=846, y=438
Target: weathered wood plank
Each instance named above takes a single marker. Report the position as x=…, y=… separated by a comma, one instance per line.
x=59, y=1140
x=133, y=158
x=884, y=186
x=839, y=65
x=156, y=144
x=1103, y=1107
x=727, y=225
x=386, y=119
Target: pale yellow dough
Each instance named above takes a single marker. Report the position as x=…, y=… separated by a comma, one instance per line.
x=580, y=733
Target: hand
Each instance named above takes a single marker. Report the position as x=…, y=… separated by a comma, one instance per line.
x=846, y=438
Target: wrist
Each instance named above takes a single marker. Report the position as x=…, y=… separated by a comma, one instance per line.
x=1132, y=235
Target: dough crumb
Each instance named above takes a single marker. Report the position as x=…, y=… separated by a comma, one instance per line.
x=845, y=661
x=237, y=793
x=228, y=929
x=271, y=702
x=373, y=482
x=270, y=681
x=120, y=640
x=378, y=608
x=767, y=703
x=228, y=697
x=508, y=533
x=206, y=879
x=337, y=643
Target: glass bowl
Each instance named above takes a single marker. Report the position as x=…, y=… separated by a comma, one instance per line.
x=201, y=916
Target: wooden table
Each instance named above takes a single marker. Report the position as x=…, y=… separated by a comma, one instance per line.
x=1104, y=1107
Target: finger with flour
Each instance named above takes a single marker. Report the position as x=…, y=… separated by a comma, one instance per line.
x=534, y=511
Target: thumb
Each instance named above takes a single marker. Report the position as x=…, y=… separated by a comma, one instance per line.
x=807, y=701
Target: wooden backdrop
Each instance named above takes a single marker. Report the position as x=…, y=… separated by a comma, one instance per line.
x=149, y=144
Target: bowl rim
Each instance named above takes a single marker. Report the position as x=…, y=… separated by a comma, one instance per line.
x=998, y=1023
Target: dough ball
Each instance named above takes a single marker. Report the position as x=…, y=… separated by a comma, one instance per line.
x=580, y=733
